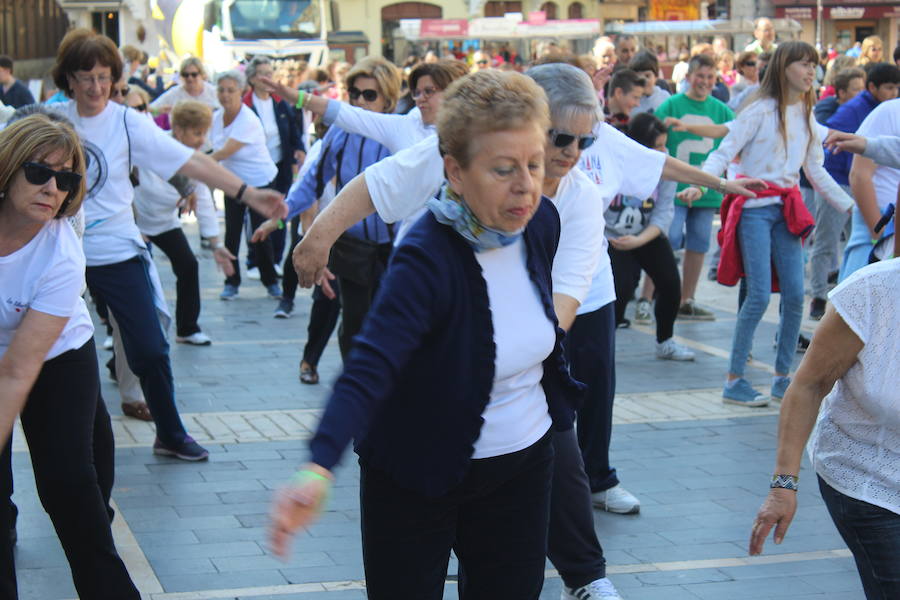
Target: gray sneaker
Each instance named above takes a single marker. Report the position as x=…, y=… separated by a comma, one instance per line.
x=672, y=350
x=617, y=500
x=691, y=312
x=643, y=315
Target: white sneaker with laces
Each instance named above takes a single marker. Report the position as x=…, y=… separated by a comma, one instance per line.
x=643, y=315
x=278, y=270
x=253, y=273
x=195, y=339
x=672, y=350
x=600, y=589
x=617, y=500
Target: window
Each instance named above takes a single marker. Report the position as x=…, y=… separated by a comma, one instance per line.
x=576, y=10
x=550, y=9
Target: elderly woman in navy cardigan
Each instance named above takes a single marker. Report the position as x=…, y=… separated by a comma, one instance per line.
x=458, y=374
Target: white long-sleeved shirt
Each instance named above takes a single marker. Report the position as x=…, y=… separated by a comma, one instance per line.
x=394, y=132
x=156, y=201
x=755, y=134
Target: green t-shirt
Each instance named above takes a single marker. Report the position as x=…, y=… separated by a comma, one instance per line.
x=691, y=148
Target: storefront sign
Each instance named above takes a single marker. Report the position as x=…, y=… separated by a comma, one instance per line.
x=674, y=10
x=808, y=13
x=847, y=12
x=443, y=28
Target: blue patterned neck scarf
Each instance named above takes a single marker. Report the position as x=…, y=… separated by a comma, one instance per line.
x=451, y=209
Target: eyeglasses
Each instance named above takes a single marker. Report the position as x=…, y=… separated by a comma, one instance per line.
x=120, y=92
x=91, y=79
x=749, y=64
x=191, y=74
x=140, y=107
x=38, y=174
x=561, y=139
x=426, y=93
x=368, y=95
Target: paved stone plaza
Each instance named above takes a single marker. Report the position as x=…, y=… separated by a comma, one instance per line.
x=197, y=531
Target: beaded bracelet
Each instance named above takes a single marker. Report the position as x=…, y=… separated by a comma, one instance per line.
x=784, y=481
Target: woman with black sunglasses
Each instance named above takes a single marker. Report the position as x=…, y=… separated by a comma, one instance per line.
x=48, y=364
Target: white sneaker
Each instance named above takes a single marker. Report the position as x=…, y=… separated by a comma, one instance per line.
x=672, y=350
x=253, y=273
x=108, y=343
x=642, y=313
x=195, y=339
x=600, y=589
x=278, y=270
x=616, y=500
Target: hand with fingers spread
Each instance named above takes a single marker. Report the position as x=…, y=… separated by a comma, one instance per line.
x=265, y=201
x=297, y=505
x=777, y=511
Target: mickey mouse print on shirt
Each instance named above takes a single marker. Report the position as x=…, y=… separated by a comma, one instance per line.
x=630, y=215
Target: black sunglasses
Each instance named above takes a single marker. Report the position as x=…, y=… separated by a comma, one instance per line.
x=749, y=64
x=121, y=91
x=191, y=74
x=368, y=95
x=561, y=139
x=38, y=174
x=140, y=107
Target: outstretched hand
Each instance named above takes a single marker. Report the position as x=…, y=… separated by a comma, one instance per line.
x=745, y=186
x=689, y=195
x=224, y=258
x=840, y=141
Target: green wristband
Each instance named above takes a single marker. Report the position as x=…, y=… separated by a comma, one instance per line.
x=301, y=96
x=281, y=226
x=304, y=475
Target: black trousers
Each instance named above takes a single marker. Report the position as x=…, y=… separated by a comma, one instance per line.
x=262, y=251
x=591, y=347
x=71, y=443
x=175, y=246
x=495, y=520
x=356, y=300
x=657, y=259
x=289, y=280
x=323, y=317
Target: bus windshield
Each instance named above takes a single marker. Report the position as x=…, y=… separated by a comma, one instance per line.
x=274, y=19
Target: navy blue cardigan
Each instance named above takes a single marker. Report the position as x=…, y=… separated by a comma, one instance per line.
x=421, y=370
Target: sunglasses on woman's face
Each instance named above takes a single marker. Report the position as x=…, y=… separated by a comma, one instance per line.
x=120, y=91
x=140, y=107
x=38, y=174
x=368, y=95
x=561, y=139
x=190, y=74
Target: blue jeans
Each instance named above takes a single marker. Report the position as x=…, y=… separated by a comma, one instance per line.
x=691, y=228
x=764, y=238
x=873, y=535
x=859, y=246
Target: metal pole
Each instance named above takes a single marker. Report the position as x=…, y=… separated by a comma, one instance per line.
x=819, y=25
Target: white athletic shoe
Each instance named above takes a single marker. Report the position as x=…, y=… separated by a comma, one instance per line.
x=253, y=273
x=195, y=339
x=643, y=313
x=617, y=500
x=600, y=589
x=108, y=343
x=672, y=350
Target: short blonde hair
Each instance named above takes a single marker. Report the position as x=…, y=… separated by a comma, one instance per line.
x=191, y=114
x=34, y=138
x=485, y=102
x=385, y=74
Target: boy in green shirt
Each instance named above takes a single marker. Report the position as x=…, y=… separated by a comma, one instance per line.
x=692, y=223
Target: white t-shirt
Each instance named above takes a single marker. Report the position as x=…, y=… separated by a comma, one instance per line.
x=856, y=444
x=156, y=204
x=266, y=111
x=394, y=132
x=252, y=163
x=756, y=135
x=177, y=93
x=111, y=235
x=402, y=183
x=46, y=275
x=617, y=165
x=884, y=120
x=516, y=415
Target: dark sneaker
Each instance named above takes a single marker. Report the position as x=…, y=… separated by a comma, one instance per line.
x=833, y=277
x=817, y=309
x=713, y=274
x=187, y=450
x=691, y=312
x=285, y=309
x=230, y=292
x=802, y=344
x=274, y=291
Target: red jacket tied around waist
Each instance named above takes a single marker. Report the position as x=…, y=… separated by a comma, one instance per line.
x=796, y=217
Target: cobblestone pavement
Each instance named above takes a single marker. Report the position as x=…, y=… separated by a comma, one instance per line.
x=197, y=531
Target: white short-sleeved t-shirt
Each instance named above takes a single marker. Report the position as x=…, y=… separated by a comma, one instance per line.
x=516, y=415
x=884, y=120
x=111, y=235
x=398, y=194
x=46, y=275
x=266, y=111
x=617, y=165
x=856, y=444
x=252, y=163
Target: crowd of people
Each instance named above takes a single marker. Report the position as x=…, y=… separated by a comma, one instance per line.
x=478, y=224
